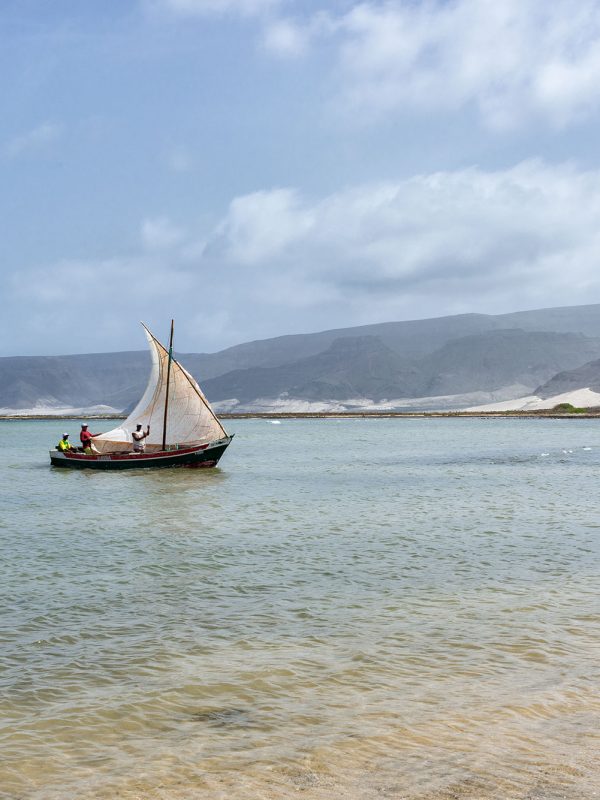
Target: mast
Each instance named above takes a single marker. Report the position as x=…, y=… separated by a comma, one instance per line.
x=164, y=439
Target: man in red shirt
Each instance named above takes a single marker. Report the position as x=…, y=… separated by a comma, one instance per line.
x=86, y=439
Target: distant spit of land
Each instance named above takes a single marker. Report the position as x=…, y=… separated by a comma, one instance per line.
x=574, y=413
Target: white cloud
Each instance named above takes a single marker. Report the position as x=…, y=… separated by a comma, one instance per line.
x=447, y=240
x=514, y=60
x=160, y=233
x=284, y=38
x=279, y=262
x=33, y=140
x=263, y=224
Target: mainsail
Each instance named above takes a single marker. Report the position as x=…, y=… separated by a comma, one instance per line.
x=189, y=421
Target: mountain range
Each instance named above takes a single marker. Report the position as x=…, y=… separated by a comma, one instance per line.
x=444, y=361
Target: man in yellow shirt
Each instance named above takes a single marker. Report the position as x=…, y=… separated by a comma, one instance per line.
x=64, y=445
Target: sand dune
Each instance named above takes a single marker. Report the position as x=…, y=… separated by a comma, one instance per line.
x=580, y=398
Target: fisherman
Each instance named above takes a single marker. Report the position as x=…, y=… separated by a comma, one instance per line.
x=65, y=445
x=86, y=440
x=138, y=436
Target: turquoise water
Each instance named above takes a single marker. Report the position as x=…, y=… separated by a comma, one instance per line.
x=344, y=609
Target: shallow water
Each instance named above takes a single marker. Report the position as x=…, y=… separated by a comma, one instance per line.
x=344, y=609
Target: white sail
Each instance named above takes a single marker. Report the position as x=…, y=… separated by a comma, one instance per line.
x=190, y=419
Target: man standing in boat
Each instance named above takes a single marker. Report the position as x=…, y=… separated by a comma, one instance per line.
x=86, y=439
x=138, y=436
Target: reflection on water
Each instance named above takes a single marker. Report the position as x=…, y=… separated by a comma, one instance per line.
x=344, y=609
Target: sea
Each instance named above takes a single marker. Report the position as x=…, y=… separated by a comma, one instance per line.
x=344, y=608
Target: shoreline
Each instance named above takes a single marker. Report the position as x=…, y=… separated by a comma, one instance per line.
x=542, y=414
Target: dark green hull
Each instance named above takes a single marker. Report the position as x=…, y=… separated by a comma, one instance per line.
x=205, y=456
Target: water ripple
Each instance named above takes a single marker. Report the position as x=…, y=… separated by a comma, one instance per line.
x=346, y=609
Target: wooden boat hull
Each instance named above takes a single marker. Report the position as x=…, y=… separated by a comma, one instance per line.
x=206, y=455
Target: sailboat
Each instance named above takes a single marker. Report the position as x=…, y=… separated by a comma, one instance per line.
x=184, y=429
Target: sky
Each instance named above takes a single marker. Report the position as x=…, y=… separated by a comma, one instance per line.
x=255, y=168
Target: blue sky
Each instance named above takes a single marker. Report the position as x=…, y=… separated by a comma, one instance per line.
x=261, y=167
